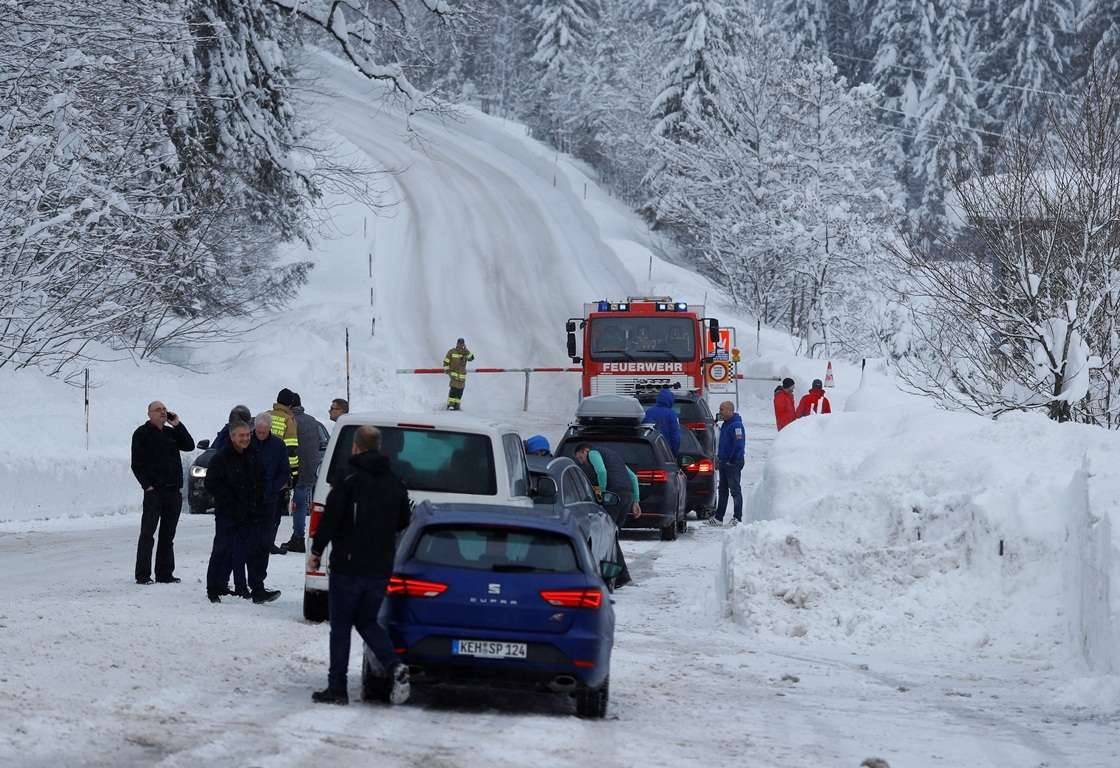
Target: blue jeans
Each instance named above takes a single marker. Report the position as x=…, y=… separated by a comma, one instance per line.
x=354, y=602
x=302, y=499
x=729, y=477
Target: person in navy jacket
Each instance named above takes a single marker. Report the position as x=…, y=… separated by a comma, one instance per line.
x=666, y=420
x=732, y=456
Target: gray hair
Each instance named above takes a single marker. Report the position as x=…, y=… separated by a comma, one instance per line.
x=238, y=424
x=265, y=417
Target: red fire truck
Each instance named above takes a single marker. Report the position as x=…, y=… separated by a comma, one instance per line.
x=644, y=342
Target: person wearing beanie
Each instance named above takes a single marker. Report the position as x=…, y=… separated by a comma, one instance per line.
x=814, y=402
x=284, y=427
x=537, y=445
x=785, y=407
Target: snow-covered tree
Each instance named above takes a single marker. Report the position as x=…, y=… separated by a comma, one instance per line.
x=1098, y=37
x=949, y=122
x=1024, y=313
x=564, y=28
x=697, y=31
x=1030, y=60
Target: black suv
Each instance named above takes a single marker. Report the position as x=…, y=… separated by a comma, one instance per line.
x=662, y=484
x=698, y=448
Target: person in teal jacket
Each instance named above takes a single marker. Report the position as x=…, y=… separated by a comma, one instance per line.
x=608, y=472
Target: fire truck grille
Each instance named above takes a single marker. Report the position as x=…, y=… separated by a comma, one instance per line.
x=628, y=385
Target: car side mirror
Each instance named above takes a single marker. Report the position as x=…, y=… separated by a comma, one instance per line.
x=609, y=570
x=546, y=488
x=610, y=498
x=203, y=445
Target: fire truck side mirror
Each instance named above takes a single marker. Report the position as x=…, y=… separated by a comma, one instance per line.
x=570, y=326
x=572, y=346
x=713, y=330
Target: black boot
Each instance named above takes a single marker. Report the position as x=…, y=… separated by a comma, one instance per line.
x=213, y=597
x=266, y=596
x=296, y=544
x=330, y=696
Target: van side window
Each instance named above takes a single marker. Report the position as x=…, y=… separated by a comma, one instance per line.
x=518, y=469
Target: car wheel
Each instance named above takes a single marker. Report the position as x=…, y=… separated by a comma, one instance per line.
x=374, y=687
x=592, y=702
x=669, y=532
x=315, y=605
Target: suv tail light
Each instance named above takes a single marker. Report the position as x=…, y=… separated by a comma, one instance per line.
x=652, y=476
x=406, y=587
x=316, y=515
x=573, y=598
x=702, y=467
x=698, y=425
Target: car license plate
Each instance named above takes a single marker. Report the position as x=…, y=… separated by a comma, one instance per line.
x=489, y=649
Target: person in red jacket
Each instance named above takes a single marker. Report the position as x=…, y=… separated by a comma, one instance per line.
x=785, y=408
x=815, y=401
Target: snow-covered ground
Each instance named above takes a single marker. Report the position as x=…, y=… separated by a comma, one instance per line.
x=953, y=657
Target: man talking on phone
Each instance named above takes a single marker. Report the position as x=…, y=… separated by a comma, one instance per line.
x=155, y=461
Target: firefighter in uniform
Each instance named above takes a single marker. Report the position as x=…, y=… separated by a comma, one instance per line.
x=455, y=366
x=284, y=426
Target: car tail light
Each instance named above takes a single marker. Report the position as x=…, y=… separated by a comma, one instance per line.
x=701, y=426
x=405, y=587
x=584, y=664
x=652, y=476
x=702, y=467
x=316, y=515
x=573, y=598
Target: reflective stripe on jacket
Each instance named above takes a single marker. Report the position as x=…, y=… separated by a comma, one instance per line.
x=284, y=427
x=455, y=363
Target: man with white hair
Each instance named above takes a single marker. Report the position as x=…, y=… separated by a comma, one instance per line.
x=156, y=445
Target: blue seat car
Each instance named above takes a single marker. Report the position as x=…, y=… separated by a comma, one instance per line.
x=501, y=597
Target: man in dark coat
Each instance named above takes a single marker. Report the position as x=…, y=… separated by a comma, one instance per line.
x=159, y=470
x=238, y=413
x=275, y=468
x=236, y=481
x=363, y=515
x=666, y=420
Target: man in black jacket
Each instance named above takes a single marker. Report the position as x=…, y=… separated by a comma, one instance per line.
x=156, y=464
x=363, y=515
x=234, y=480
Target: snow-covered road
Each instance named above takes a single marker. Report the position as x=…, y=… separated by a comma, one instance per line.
x=98, y=671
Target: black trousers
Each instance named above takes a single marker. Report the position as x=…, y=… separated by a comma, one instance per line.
x=161, y=511
x=228, y=552
x=258, y=538
x=281, y=507
x=618, y=513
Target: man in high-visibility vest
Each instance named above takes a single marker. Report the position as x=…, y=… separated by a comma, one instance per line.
x=284, y=426
x=455, y=366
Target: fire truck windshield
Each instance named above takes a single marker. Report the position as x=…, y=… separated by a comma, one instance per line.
x=643, y=338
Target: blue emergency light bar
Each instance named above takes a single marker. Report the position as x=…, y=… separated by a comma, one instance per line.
x=679, y=306
x=606, y=306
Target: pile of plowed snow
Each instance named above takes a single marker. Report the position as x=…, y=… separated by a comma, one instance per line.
x=925, y=529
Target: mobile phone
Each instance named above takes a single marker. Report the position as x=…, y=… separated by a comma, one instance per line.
x=171, y=416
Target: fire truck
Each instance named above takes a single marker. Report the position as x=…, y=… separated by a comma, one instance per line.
x=644, y=342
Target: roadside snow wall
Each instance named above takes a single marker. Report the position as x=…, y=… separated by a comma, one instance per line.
x=945, y=531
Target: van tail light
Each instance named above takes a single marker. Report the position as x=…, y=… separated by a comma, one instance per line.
x=702, y=467
x=573, y=598
x=652, y=476
x=316, y=515
x=402, y=586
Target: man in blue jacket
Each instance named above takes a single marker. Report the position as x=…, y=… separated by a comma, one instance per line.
x=666, y=420
x=732, y=456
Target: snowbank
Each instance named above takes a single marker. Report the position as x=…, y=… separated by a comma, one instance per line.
x=944, y=531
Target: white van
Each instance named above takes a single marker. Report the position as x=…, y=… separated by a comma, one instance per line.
x=440, y=457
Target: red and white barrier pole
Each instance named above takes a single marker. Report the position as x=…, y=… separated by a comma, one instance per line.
x=526, y=371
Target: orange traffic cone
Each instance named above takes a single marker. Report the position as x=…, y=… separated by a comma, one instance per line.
x=828, y=380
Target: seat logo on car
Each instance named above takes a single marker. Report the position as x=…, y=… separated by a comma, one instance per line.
x=495, y=589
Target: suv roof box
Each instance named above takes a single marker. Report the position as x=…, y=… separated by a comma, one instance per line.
x=610, y=409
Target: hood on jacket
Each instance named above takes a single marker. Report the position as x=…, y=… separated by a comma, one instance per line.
x=370, y=461
x=665, y=398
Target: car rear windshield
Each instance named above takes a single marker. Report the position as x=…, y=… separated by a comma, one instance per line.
x=635, y=453
x=427, y=459
x=492, y=548
x=687, y=410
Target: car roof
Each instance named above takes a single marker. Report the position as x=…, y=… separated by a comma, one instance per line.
x=444, y=420
x=543, y=518
x=548, y=465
